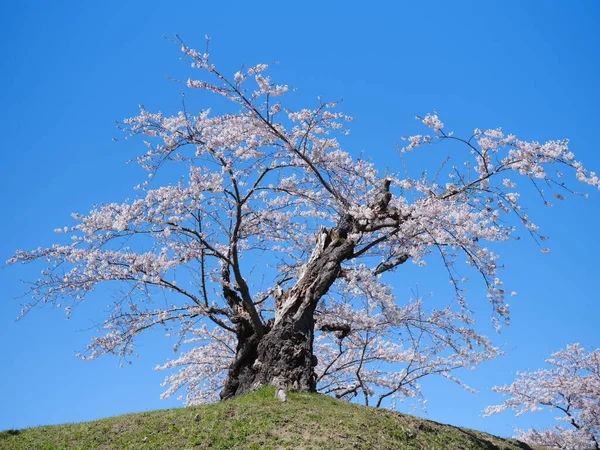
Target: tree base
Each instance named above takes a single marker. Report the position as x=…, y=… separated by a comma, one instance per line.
x=283, y=358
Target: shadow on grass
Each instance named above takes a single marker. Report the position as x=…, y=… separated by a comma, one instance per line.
x=10, y=432
x=487, y=445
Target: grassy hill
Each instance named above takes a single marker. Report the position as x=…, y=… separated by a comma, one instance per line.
x=258, y=421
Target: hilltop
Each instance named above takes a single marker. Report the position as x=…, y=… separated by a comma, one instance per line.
x=259, y=421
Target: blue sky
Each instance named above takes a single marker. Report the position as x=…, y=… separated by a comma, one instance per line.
x=70, y=69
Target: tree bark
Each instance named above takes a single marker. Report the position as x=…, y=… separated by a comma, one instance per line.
x=241, y=375
x=283, y=355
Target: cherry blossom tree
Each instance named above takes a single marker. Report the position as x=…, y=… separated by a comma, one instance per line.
x=271, y=258
x=571, y=387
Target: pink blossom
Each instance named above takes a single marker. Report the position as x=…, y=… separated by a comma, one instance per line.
x=570, y=387
x=264, y=179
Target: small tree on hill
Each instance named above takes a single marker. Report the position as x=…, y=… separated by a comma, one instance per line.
x=273, y=251
x=571, y=387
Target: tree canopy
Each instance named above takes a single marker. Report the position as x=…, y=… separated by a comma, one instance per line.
x=272, y=255
x=570, y=386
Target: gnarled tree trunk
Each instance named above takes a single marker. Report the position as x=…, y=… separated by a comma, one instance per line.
x=283, y=355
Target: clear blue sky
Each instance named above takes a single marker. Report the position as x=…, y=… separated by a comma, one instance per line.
x=70, y=69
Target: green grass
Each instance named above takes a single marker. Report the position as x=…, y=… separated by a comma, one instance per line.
x=258, y=421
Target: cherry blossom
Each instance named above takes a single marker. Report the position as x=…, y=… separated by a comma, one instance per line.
x=569, y=387
x=271, y=259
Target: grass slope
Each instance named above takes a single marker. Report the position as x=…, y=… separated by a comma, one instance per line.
x=258, y=421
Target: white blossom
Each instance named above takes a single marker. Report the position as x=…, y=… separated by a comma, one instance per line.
x=259, y=181
x=570, y=386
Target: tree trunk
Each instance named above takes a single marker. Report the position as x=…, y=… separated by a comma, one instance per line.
x=241, y=375
x=283, y=356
